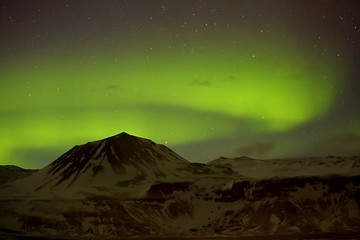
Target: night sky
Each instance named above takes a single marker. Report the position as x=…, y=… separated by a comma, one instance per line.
x=261, y=78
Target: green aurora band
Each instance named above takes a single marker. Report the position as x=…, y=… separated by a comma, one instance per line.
x=173, y=94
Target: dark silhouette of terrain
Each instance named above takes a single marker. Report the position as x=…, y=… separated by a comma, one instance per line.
x=125, y=186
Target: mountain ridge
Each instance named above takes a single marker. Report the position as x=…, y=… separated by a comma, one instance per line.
x=119, y=150
x=293, y=167
x=116, y=161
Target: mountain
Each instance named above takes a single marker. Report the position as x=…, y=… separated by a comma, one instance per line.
x=10, y=173
x=320, y=166
x=125, y=186
x=122, y=160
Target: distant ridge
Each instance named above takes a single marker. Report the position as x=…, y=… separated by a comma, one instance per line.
x=315, y=166
x=10, y=173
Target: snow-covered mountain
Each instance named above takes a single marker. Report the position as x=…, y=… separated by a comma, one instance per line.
x=11, y=173
x=106, y=165
x=315, y=166
x=125, y=186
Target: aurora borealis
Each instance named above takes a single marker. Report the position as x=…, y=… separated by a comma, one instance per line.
x=206, y=78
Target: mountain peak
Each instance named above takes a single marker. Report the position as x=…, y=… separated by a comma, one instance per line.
x=122, y=156
x=118, y=137
x=122, y=135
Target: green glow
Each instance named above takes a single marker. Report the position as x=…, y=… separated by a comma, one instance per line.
x=69, y=97
x=51, y=129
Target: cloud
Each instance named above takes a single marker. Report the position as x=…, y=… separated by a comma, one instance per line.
x=254, y=149
x=198, y=82
x=112, y=86
x=231, y=78
x=340, y=145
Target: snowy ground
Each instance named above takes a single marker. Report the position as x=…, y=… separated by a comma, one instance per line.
x=326, y=236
